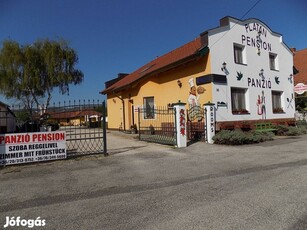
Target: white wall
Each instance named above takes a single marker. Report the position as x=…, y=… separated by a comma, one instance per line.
x=221, y=42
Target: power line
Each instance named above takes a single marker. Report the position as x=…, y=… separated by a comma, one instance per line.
x=249, y=10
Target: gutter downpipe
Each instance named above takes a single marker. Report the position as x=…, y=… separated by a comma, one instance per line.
x=124, y=112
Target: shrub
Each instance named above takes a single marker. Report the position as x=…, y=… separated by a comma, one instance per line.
x=301, y=123
x=293, y=131
x=258, y=137
x=303, y=129
x=283, y=130
x=238, y=137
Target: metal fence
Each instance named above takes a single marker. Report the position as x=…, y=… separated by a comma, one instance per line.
x=159, y=127
x=83, y=122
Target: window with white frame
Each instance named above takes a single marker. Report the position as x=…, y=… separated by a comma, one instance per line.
x=238, y=100
x=239, y=55
x=273, y=61
x=276, y=102
x=149, y=112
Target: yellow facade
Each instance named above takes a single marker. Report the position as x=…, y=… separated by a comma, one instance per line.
x=163, y=87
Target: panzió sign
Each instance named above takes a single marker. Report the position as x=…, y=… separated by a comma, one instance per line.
x=31, y=147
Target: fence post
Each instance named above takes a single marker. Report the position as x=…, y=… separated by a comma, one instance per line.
x=180, y=124
x=210, y=121
x=104, y=128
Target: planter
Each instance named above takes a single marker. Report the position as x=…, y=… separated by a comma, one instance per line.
x=240, y=112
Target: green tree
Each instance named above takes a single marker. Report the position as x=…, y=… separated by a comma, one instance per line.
x=301, y=102
x=30, y=73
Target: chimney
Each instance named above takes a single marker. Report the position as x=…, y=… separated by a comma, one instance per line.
x=224, y=21
x=293, y=50
x=122, y=75
x=113, y=81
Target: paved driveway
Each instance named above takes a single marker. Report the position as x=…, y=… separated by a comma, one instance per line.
x=149, y=186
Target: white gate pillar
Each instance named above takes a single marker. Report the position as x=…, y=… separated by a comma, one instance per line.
x=180, y=124
x=210, y=121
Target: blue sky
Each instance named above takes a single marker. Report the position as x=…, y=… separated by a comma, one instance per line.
x=113, y=36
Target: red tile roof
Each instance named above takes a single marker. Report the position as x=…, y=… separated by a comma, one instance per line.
x=159, y=64
x=300, y=63
x=73, y=114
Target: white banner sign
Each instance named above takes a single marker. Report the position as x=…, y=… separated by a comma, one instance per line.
x=21, y=148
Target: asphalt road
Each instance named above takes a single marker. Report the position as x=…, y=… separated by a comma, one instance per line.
x=149, y=186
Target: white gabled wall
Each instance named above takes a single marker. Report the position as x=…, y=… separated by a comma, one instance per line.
x=221, y=42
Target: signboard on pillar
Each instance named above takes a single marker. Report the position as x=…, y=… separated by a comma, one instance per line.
x=181, y=136
x=210, y=121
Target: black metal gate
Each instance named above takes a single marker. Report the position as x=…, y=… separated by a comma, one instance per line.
x=196, y=125
x=83, y=122
x=157, y=125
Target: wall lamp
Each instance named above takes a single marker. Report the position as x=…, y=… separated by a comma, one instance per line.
x=261, y=73
x=290, y=78
x=179, y=83
x=224, y=69
x=223, y=66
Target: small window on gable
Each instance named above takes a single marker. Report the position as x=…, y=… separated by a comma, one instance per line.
x=239, y=54
x=273, y=61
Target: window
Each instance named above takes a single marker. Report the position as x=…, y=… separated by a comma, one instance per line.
x=149, y=112
x=276, y=102
x=239, y=55
x=238, y=104
x=273, y=61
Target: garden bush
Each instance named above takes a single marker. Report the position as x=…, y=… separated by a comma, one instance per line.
x=283, y=130
x=293, y=131
x=238, y=137
x=303, y=129
x=301, y=123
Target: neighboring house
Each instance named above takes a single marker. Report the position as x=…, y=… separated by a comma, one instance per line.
x=7, y=119
x=243, y=67
x=300, y=63
x=300, y=79
x=75, y=117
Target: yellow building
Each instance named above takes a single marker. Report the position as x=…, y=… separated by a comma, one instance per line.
x=161, y=82
x=243, y=67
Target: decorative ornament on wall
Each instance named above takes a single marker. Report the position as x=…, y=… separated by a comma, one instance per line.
x=239, y=76
x=195, y=110
x=261, y=74
x=277, y=80
x=289, y=100
x=200, y=90
x=261, y=110
x=290, y=78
